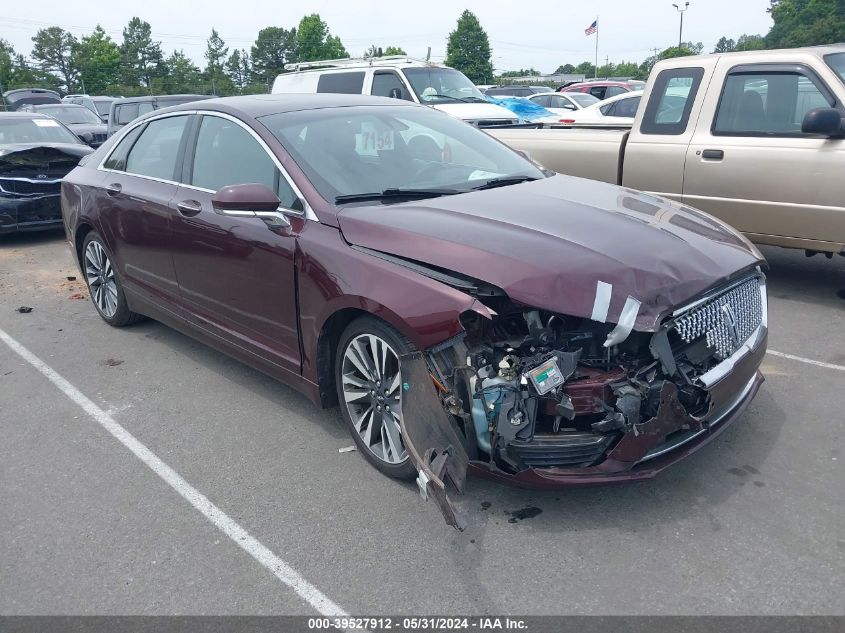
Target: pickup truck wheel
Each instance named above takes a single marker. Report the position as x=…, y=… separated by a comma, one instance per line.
x=369, y=390
x=103, y=283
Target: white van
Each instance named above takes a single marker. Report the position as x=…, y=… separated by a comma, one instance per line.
x=400, y=77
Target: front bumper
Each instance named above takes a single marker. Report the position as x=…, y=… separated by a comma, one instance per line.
x=30, y=213
x=641, y=457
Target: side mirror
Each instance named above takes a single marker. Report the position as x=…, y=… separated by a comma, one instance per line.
x=86, y=137
x=250, y=200
x=823, y=121
x=396, y=93
x=569, y=106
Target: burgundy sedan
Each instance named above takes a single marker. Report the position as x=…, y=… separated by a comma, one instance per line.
x=466, y=308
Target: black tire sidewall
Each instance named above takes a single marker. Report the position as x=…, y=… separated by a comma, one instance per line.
x=371, y=325
x=123, y=315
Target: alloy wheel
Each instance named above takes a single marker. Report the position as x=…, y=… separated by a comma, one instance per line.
x=100, y=276
x=371, y=389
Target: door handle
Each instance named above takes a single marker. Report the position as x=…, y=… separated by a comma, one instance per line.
x=188, y=208
x=114, y=188
x=713, y=154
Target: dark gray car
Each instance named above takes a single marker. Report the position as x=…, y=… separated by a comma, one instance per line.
x=79, y=119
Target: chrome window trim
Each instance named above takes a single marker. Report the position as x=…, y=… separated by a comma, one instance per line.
x=307, y=213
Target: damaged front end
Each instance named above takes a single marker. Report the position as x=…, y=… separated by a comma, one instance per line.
x=549, y=400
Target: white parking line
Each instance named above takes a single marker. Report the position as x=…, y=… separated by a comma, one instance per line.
x=279, y=568
x=809, y=361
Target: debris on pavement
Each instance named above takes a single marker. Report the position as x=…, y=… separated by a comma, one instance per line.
x=346, y=449
x=77, y=295
x=71, y=278
x=24, y=310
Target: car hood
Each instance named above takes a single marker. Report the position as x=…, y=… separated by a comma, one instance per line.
x=549, y=243
x=25, y=157
x=475, y=111
x=93, y=128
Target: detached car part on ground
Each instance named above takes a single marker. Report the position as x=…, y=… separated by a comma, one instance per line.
x=464, y=307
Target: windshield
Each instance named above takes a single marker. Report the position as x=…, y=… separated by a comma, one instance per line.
x=372, y=149
x=103, y=106
x=837, y=63
x=442, y=85
x=72, y=115
x=583, y=99
x=37, y=130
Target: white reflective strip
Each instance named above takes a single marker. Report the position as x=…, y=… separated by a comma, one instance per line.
x=602, y=303
x=626, y=322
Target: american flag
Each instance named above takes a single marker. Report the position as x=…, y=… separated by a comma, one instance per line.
x=592, y=28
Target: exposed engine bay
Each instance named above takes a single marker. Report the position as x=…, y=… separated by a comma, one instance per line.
x=532, y=389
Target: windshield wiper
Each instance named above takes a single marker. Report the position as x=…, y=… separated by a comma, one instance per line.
x=391, y=194
x=439, y=96
x=504, y=182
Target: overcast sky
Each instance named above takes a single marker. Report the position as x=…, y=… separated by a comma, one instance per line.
x=522, y=34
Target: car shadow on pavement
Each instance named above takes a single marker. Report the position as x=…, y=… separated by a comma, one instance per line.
x=794, y=276
x=28, y=239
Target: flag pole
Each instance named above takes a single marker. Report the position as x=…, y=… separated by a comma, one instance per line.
x=596, y=71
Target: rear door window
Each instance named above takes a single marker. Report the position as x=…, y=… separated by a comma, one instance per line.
x=670, y=104
x=627, y=107
x=341, y=83
x=768, y=103
x=126, y=113
x=598, y=92
x=612, y=91
x=155, y=152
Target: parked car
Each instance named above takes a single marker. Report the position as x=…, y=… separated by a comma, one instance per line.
x=398, y=77
x=36, y=152
x=563, y=103
x=17, y=99
x=123, y=111
x=80, y=120
x=616, y=111
x=518, y=90
x=753, y=138
x=99, y=105
x=462, y=305
x=605, y=89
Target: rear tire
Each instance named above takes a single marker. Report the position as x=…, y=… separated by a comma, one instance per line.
x=104, y=284
x=369, y=391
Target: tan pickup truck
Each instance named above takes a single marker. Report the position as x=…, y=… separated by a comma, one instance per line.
x=756, y=139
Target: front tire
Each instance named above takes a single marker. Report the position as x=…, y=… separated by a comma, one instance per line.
x=369, y=391
x=104, y=285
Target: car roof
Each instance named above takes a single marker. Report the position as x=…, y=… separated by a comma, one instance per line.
x=23, y=115
x=162, y=98
x=265, y=104
x=57, y=105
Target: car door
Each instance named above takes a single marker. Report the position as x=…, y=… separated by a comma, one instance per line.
x=753, y=167
x=136, y=206
x=388, y=83
x=236, y=274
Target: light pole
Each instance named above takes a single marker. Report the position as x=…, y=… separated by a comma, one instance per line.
x=681, y=11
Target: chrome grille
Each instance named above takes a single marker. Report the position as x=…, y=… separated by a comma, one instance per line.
x=727, y=320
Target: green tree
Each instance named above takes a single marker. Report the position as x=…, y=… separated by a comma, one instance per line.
x=565, y=69
x=725, y=45
x=522, y=72
x=750, y=43
x=53, y=49
x=806, y=23
x=216, y=55
x=238, y=70
x=685, y=49
x=468, y=50
x=585, y=68
x=7, y=63
x=182, y=76
x=141, y=57
x=273, y=48
x=98, y=58
x=377, y=51
x=315, y=42
x=394, y=50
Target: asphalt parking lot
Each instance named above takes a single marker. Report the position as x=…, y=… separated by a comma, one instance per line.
x=752, y=524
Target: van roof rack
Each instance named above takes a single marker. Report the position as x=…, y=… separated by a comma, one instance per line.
x=347, y=62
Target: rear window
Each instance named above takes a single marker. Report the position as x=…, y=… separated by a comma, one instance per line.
x=341, y=83
x=669, y=106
